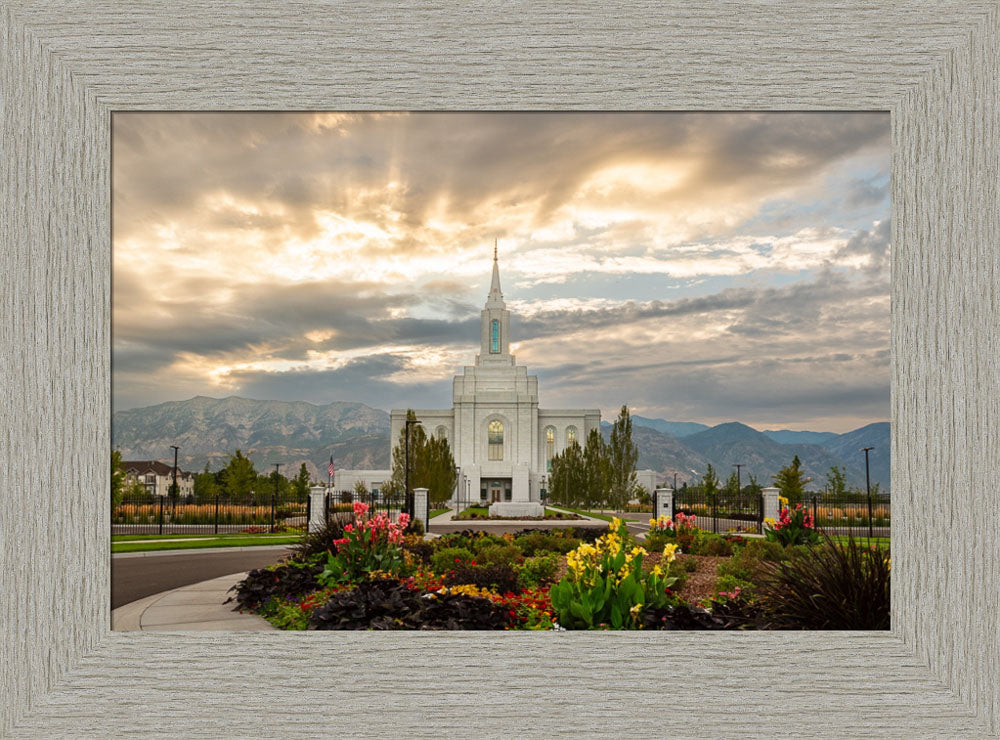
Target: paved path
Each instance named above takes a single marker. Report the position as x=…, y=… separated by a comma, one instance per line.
x=138, y=575
x=198, y=606
x=445, y=523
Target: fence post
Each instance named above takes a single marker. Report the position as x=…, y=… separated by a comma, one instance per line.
x=815, y=514
x=274, y=503
x=715, y=513
x=770, y=503
x=216, y=513
x=161, y=514
x=663, y=501
x=420, y=503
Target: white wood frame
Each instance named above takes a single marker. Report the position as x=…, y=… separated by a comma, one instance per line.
x=64, y=66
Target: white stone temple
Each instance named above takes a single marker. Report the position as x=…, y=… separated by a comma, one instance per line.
x=501, y=440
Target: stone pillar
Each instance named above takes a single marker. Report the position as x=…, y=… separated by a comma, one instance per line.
x=420, y=506
x=317, y=508
x=664, y=503
x=771, y=503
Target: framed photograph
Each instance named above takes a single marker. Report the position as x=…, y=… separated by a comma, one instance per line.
x=930, y=72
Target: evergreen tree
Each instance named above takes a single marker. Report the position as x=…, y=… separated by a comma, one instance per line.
x=791, y=482
x=432, y=466
x=418, y=441
x=597, y=470
x=117, y=478
x=300, y=483
x=710, y=484
x=568, y=478
x=205, y=488
x=732, y=485
x=239, y=477
x=361, y=491
x=753, y=488
x=623, y=454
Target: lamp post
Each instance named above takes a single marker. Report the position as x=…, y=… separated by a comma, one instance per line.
x=468, y=494
x=544, y=491
x=406, y=493
x=868, y=484
x=174, y=489
x=274, y=494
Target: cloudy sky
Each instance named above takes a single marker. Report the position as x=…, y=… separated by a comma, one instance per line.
x=698, y=267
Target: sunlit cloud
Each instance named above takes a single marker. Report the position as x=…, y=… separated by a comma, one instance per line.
x=346, y=256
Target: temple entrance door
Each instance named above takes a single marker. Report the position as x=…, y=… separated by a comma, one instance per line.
x=496, y=491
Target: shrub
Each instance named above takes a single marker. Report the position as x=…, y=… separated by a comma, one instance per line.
x=323, y=539
x=499, y=578
x=415, y=526
x=533, y=542
x=370, y=543
x=388, y=605
x=487, y=540
x=690, y=565
x=446, y=559
x=731, y=584
x=418, y=547
x=737, y=613
x=499, y=555
x=832, y=586
x=538, y=571
x=289, y=579
x=708, y=544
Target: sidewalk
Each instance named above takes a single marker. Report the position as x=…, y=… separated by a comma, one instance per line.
x=448, y=518
x=197, y=607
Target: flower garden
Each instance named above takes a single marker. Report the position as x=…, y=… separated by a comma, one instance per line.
x=364, y=570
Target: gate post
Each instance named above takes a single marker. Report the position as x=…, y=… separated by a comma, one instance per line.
x=216, y=513
x=161, y=514
x=771, y=503
x=316, y=509
x=663, y=503
x=420, y=503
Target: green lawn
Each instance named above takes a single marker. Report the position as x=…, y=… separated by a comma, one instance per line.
x=438, y=512
x=584, y=512
x=157, y=542
x=882, y=542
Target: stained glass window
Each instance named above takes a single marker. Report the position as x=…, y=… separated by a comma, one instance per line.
x=570, y=435
x=496, y=440
x=495, y=337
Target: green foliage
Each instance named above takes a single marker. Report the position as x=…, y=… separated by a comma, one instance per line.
x=568, y=477
x=499, y=555
x=284, y=614
x=732, y=486
x=540, y=541
x=710, y=483
x=794, y=527
x=537, y=571
x=708, y=544
x=444, y=560
x=623, y=454
x=205, y=488
x=836, y=483
x=832, y=586
x=597, y=470
x=117, y=478
x=432, y=466
x=690, y=565
x=239, y=477
x=300, y=483
x=791, y=482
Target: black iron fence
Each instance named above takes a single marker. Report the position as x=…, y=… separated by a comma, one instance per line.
x=728, y=511
x=342, y=502
x=850, y=514
x=148, y=514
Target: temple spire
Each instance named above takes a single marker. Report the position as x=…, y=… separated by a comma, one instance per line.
x=495, y=294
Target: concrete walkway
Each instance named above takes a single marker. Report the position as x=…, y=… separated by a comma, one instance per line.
x=196, y=607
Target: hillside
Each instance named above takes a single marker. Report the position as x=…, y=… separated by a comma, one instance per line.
x=209, y=429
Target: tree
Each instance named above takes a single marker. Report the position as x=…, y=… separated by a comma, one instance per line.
x=239, y=477
x=568, y=477
x=753, y=488
x=836, y=483
x=732, y=487
x=791, y=482
x=360, y=491
x=432, y=465
x=205, y=488
x=300, y=483
x=623, y=454
x=710, y=484
x=597, y=470
x=117, y=478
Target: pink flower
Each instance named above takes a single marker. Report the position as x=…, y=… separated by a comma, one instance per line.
x=360, y=508
x=403, y=520
x=348, y=528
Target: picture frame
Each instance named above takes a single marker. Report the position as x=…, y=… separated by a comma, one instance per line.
x=66, y=66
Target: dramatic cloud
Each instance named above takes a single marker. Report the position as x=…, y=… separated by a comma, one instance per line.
x=696, y=266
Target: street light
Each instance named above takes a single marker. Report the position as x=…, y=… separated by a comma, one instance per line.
x=406, y=494
x=868, y=484
x=175, y=490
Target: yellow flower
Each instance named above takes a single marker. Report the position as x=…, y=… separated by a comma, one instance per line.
x=615, y=525
x=652, y=522
x=670, y=552
x=635, y=610
x=783, y=500
x=769, y=521
x=657, y=571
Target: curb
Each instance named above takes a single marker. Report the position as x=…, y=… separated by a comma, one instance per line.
x=198, y=551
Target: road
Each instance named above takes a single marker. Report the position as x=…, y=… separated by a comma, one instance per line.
x=135, y=578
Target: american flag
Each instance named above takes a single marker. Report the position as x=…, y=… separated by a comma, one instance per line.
x=330, y=467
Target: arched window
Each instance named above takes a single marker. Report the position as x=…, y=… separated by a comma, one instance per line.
x=442, y=432
x=496, y=440
x=550, y=447
x=494, y=337
x=570, y=435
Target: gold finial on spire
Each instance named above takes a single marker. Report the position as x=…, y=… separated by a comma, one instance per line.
x=495, y=249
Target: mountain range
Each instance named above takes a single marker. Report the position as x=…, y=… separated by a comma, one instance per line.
x=208, y=430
